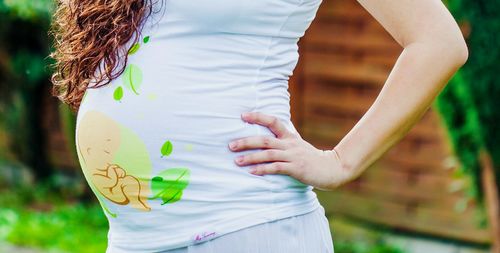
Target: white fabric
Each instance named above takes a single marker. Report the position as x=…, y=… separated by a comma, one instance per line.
x=305, y=233
x=153, y=143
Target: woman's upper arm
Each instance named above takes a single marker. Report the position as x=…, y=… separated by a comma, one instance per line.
x=419, y=21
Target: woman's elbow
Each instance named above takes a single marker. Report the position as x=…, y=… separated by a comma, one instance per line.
x=451, y=52
x=461, y=51
x=450, y=45
x=457, y=50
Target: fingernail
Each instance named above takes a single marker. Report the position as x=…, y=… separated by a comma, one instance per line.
x=239, y=159
x=252, y=170
x=245, y=114
x=232, y=145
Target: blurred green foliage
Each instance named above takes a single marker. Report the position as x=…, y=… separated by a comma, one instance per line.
x=28, y=9
x=459, y=114
x=356, y=246
x=44, y=219
x=470, y=104
x=87, y=224
x=24, y=76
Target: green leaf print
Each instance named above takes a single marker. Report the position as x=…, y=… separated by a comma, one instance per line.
x=84, y=96
x=132, y=77
x=134, y=48
x=169, y=184
x=118, y=94
x=146, y=39
x=166, y=149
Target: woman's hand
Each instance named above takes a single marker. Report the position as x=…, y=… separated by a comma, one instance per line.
x=289, y=154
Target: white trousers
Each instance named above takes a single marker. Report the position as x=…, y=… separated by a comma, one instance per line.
x=306, y=233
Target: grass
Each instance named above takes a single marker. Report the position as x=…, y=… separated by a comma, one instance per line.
x=53, y=218
x=354, y=246
x=351, y=237
x=37, y=217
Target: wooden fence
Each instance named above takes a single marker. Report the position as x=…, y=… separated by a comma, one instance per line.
x=346, y=56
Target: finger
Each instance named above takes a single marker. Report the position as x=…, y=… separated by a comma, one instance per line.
x=255, y=142
x=271, y=122
x=272, y=168
x=268, y=155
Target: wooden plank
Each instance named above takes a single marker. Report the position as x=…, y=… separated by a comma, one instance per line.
x=349, y=14
x=432, y=194
x=409, y=161
x=402, y=217
x=425, y=182
x=425, y=131
x=342, y=105
x=394, y=158
x=323, y=35
x=412, y=202
x=323, y=67
x=295, y=88
x=341, y=9
x=345, y=102
x=331, y=94
x=428, y=149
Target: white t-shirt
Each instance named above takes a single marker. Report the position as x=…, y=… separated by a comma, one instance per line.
x=153, y=144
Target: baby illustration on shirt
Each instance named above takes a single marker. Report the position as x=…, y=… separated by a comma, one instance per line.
x=114, y=160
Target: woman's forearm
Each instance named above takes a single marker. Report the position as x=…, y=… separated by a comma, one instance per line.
x=419, y=74
x=434, y=49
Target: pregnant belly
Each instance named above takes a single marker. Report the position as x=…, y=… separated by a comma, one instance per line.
x=165, y=148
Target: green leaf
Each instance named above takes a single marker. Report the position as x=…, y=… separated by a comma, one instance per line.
x=171, y=195
x=118, y=94
x=84, y=96
x=132, y=78
x=166, y=149
x=169, y=184
x=146, y=39
x=134, y=48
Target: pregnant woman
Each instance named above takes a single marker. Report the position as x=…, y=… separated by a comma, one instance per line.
x=183, y=129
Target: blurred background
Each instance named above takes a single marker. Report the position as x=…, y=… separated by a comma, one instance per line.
x=435, y=191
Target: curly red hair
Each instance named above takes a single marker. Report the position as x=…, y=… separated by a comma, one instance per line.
x=88, y=33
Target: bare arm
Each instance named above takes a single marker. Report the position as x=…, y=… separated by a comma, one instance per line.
x=434, y=49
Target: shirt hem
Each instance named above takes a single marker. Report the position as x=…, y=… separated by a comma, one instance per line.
x=228, y=225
